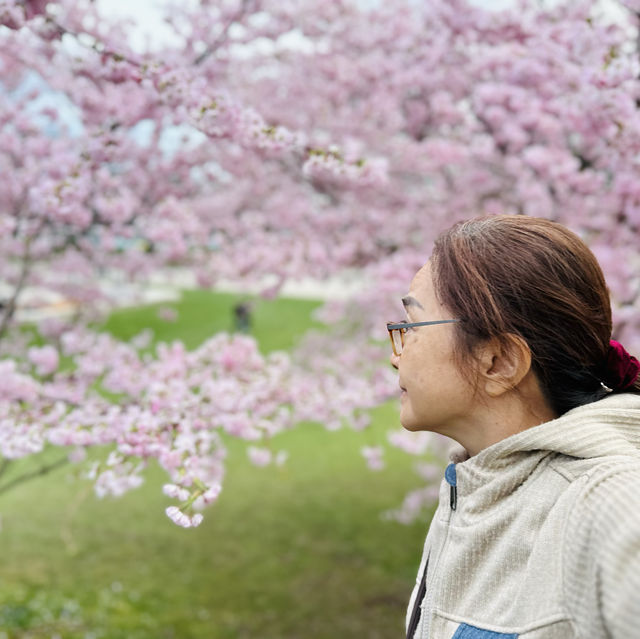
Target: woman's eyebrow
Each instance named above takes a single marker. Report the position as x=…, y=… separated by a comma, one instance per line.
x=411, y=301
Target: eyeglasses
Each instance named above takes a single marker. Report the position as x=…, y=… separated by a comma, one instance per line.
x=398, y=329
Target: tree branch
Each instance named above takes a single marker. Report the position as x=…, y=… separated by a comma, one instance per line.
x=43, y=470
x=4, y=465
x=10, y=306
x=223, y=35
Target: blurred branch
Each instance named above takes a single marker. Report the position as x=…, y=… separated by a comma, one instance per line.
x=43, y=470
x=4, y=465
x=10, y=305
x=244, y=7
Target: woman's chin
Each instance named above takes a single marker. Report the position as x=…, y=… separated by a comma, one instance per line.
x=407, y=422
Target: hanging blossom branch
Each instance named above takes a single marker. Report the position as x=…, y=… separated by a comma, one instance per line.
x=169, y=409
x=216, y=114
x=172, y=408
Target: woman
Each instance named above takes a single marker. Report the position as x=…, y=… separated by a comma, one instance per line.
x=508, y=351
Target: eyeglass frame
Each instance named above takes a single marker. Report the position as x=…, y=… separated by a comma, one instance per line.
x=403, y=326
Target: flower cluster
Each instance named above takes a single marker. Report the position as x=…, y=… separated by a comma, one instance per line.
x=270, y=141
x=170, y=408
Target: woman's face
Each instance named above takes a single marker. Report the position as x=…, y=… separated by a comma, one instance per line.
x=435, y=396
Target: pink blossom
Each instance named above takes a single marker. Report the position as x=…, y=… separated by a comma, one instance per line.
x=211, y=494
x=182, y=519
x=413, y=443
x=259, y=456
x=415, y=504
x=45, y=358
x=178, y=517
x=281, y=458
x=14, y=385
x=429, y=471
x=120, y=477
x=175, y=492
x=12, y=14
x=77, y=455
x=167, y=314
x=374, y=457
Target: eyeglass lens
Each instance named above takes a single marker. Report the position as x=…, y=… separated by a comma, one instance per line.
x=396, y=336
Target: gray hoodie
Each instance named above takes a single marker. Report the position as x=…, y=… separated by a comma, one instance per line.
x=538, y=536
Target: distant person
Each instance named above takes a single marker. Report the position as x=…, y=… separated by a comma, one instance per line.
x=508, y=351
x=242, y=317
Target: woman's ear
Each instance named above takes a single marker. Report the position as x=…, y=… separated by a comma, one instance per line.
x=503, y=364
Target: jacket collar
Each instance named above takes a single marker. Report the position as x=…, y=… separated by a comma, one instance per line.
x=605, y=428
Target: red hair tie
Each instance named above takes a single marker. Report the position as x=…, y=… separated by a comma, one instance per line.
x=621, y=369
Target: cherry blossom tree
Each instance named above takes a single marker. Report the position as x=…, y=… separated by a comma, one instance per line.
x=276, y=139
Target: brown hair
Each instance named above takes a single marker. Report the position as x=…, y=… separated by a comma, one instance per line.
x=513, y=274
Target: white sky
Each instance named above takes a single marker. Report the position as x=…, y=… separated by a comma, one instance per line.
x=151, y=28
x=149, y=24
x=148, y=18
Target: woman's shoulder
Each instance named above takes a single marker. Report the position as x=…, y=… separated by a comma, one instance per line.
x=586, y=473
x=600, y=559
x=603, y=521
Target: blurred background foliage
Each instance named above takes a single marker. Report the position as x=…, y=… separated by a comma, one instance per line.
x=301, y=550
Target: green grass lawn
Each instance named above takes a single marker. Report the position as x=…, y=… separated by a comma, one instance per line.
x=294, y=552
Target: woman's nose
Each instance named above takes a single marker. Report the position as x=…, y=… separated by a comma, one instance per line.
x=395, y=360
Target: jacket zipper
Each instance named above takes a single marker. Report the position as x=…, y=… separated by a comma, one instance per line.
x=450, y=476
